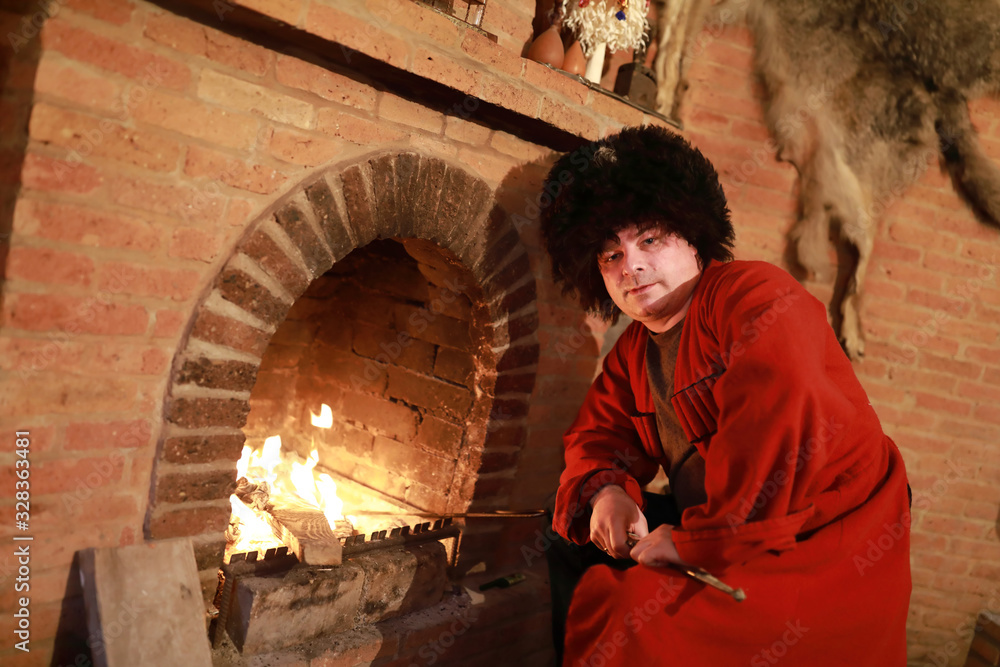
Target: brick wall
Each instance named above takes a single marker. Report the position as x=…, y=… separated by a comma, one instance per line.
x=142, y=148
x=391, y=353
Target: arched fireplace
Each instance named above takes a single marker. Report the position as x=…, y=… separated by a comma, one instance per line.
x=392, y=289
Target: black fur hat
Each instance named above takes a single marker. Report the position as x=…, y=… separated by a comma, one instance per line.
x=644, y=176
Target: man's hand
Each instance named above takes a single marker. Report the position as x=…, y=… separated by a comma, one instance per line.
x=615, y=515
x=657, y=548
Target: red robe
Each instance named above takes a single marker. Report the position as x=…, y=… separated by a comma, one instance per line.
x=807, y=506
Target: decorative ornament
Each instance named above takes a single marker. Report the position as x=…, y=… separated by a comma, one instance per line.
x=619, y=25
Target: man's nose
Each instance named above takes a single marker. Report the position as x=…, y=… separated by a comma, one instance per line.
x=632, y=262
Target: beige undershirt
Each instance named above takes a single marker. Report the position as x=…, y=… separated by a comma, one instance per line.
x=687, y=470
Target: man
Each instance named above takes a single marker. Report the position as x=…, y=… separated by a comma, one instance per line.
x=731, y=379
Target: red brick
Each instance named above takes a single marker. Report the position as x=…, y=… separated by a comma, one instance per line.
x=131, y=359
x=302, y=148
x=395, y=420
x=214, y=328
x=85, y=506
x=948, y=264
x=769, y=200
x=988, y=413
x=329, y=85
x=207, y=412
x=27, y=356
x=85, y=135
x=49, y=266
x=982, y=252
x=76, y=474
x=963, y=224
x=724, y=53
x=910, y=217
x=125, y=278
x=909, y=274
x=940, y=404
x=287, y=11
x=356, y=130
x=217, y=374
x=181, y=202
x=59, y=79
x=711, y=97
x=195, y=119
x=972, y=431
x=439, y=435
x=189, y=37
x=426, y=144
x=184, y=487
x=356, y=35
x=193, y=243
x=951, y=305
x=413, y=17
x=526, y=102
x=118, y=13
x=494, y=56
x=427, y=392
x=235, y=93
x=254, y=177
x=567, y=118
x=48, y=312
x=979, y=392
x=238, y=212
x=84, y=226
x=445, y=70
x=405, y=112
x=706, y=120
x=108, y=54
x=922, y=237
x=517, y=148
x=500, y=20
x=883, y=290
x=203, y=448
x=40, y=172
x=412, y=463
x=180, y=523
x=491, y=168
x=108, y=435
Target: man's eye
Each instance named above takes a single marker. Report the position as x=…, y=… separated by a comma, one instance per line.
x=610, y=257
x=649, y=240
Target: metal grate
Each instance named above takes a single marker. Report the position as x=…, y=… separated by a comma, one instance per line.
x=469, y=11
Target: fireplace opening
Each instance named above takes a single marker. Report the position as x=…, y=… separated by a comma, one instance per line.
x=362, y=403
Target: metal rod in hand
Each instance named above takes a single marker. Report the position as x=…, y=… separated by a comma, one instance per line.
x=703, y=576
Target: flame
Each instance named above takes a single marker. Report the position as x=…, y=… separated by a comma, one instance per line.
x=290, y=482
x=325, y=417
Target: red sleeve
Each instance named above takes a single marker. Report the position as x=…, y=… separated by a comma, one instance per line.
x=602, y=446
x=783, y=402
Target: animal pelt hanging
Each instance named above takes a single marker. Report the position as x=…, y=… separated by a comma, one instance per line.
x=860, y=96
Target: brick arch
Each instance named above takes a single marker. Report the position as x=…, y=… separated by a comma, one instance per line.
x=299, y=238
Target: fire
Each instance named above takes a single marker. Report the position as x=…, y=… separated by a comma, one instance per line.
x=325, y=417
x=269, y=478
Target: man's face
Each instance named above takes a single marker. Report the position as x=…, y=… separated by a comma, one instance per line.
x=650, y=275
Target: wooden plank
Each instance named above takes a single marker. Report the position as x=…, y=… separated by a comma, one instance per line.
x=144, y=605
x=307, y=533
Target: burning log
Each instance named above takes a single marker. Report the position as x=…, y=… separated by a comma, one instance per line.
x=304, y=529
x=256, y=496
x=308, y=535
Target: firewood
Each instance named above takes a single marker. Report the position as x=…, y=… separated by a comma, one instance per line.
x=307, y=533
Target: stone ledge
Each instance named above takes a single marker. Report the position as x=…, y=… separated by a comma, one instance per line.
x=404, y=45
